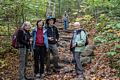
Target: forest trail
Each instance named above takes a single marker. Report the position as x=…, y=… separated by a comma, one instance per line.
x=102, y=71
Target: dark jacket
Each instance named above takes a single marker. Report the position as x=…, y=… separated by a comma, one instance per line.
x=23, y=38
x=52, y=32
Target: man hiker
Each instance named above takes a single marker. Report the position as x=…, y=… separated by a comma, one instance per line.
x=65, y=20
x=53, y=36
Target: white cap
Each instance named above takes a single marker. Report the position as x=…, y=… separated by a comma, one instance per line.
x=76, y=24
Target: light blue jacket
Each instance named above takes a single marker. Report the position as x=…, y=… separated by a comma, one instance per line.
x=34, y=34
x=79, y=41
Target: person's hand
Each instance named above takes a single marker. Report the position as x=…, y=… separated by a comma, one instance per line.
x=47, y=50
x=50, y=38
x=31, y=41
x=74, y=45
x=56, y=40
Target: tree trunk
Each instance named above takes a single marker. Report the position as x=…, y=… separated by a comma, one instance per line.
x=78, y=6
x=59, y=7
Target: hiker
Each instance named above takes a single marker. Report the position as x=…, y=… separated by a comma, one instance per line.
x=39, y=45
x=78, y=44
x=23, y=39
x=66, y=20
x=53, y=36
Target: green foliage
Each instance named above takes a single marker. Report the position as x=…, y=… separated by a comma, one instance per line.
x=118, y=26
x=2, y=63
x=5, y=46
x=4, y=30
x=17, y=11
x=88, y=17
x=100, y=39
x=86, y=21
x=103, y=19
x=114, y=62
x=111, y=53
x=117, y=46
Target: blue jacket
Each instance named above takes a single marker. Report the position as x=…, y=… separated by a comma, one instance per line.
x=34, y=32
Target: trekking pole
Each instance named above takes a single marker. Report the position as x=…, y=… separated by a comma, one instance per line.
x=32, y=56
x=48, y=60
x=32, y=59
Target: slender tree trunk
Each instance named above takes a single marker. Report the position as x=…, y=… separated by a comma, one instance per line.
x=54, y=9
x=22, y=13
x=59, y=7
x=78, y=6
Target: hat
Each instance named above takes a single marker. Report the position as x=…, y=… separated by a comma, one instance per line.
x=76, y=24
x=49, y=18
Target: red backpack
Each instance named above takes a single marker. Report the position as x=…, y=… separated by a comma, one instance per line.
x=14, y=39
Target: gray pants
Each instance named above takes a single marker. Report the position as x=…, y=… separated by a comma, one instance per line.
x=78, y=65
x=54, y=51
x=23, y=62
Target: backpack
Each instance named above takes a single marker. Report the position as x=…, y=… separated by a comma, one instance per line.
x=14, y=39
x=79, y=32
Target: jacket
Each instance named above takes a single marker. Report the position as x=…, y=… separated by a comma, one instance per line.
x=52, y=32
x=34, y=34
x=23, y=37
x=78, y=41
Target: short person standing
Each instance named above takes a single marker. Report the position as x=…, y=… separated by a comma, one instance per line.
x=40, y=43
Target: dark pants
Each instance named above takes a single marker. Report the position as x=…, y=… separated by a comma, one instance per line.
x=39, y=52
x=78, y=65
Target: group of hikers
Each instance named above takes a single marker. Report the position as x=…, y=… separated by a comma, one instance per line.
x=43, y=40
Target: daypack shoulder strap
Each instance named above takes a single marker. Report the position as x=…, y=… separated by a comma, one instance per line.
x=79, y=32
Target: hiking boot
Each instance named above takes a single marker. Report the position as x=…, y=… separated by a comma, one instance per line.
x=56, y=70
x=73, y=61
x=42, y=75
x=58, y=67
x=49, y=72
x=37, y=79
x=37, y=75
x=81, y=77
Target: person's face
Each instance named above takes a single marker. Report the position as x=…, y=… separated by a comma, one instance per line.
x=51, y=22
x=40, y=24
x=28, y=27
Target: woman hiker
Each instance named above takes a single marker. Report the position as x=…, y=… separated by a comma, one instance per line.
x=39, y=45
